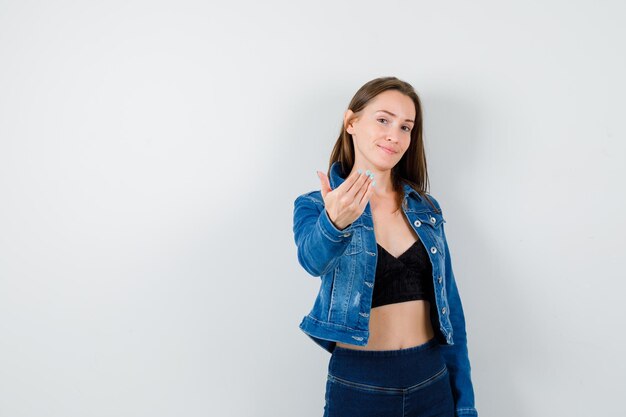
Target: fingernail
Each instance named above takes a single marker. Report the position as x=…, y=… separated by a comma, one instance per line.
x=359, y=171
x=372, y=175
x=373, y=183
x=368, y=172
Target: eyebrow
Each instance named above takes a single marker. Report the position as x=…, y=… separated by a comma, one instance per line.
x=388, y=112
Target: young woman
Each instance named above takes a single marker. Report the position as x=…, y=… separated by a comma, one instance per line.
x=388, y=309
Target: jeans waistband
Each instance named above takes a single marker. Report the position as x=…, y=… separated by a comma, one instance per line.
x=387, y=368
x=386, y=353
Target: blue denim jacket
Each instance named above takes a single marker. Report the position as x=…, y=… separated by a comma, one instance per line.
x=346, y=262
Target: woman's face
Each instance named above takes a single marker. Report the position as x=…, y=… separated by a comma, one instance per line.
x=382, y=131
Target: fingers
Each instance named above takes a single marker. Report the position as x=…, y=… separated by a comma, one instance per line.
x=360, y=185
x=365, y=193
x=325, y=183
x=353, y=190
x=348, y=183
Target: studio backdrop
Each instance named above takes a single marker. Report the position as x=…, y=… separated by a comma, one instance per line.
x=151, y=153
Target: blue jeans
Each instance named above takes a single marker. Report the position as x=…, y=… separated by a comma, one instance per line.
x=411, y=382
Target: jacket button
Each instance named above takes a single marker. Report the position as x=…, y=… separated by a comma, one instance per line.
x=417, y=223
x=443, y=310
x=440, y=279
x=432, y=219
x=433, y=249
x=346, y=234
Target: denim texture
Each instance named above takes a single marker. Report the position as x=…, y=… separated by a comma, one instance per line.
x=345, y=260
x=411, y=382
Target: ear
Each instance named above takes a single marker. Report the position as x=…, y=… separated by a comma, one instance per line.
x=348, y=126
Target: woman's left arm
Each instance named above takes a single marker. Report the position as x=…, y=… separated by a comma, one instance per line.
x=456, y=355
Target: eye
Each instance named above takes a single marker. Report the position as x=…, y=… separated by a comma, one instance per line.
x=408, y=128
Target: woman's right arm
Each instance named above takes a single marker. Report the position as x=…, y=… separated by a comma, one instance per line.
x=319, y=241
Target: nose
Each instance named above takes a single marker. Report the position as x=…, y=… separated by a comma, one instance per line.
x=393, y=134
x=391, y=137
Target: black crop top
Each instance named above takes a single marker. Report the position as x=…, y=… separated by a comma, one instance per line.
x=408, y=277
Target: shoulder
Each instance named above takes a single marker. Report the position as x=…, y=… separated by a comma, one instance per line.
x=315, y=196
x=433, y=200
x=311, y=197
x=421, y=197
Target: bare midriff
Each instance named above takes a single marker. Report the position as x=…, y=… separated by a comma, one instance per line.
x=397, y=326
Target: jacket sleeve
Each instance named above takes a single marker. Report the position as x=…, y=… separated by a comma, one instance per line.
x=456, y=355
x=320, y=243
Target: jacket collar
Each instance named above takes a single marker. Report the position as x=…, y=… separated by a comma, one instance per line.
x=336, y=179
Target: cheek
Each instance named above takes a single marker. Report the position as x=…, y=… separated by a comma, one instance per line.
x=375, y=128
x=406, y=142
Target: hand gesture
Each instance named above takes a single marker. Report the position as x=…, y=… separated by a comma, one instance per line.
x=347, y=202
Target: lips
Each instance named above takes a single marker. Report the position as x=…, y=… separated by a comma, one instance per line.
x=387, y=150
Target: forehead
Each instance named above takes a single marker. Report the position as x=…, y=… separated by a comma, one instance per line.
x=394, y=101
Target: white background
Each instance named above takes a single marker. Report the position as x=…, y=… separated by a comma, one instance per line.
x=150, y=153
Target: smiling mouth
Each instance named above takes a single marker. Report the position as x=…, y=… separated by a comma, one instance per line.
x=389, y=151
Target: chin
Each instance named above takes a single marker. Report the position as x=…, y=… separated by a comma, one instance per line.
x=385, y=166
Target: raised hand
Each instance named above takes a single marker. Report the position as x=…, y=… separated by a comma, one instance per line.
x=346, y=203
